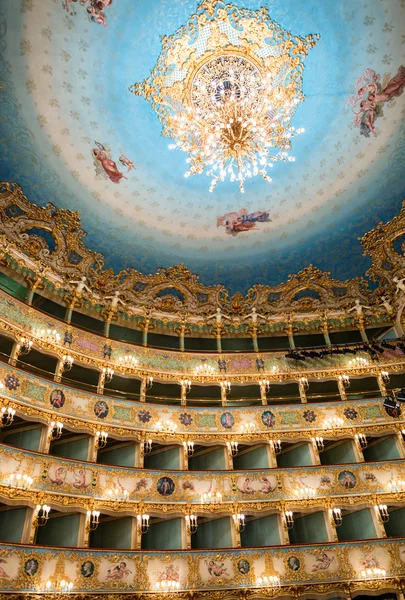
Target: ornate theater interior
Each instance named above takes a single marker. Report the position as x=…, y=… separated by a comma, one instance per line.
x=202, y=291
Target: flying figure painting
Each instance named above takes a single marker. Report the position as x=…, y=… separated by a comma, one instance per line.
x=105, y=166
x=236, y=222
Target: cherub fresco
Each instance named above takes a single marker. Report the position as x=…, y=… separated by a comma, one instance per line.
x=118, y=571
x=2, y=571
x=105, y=166
x=216, y=569
x=322, y=562
x=126, y=162
x=237, y=222
x=371, y=95
x=95, y=9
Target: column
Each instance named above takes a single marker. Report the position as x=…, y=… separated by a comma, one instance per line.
x=254, y=338
x=236, y=543
x=141, y=455
x=45, y=440
x=83, y=536
x=183, y=397
x=228, y=457
x=377, y=522
x=29, y=529
x=362, y=329
x=330, y=526
x=107, y=325
x=93, y=449
x=263, y=395
x=271, y=455
x=401, y=444
x=32, y=286
x=381, y=385
x=14, y=354
x=142, y=393
x=283, y=529
x=325, y=331
x=314, y=452
x=342, y=389
x=184, y=458
x=223, y=396
x=58, y=371
x=290, y=334
x=145, y=332
x=218, y=336
x=358, y=452
x=303, y=394
x=182, y=332
x=101, y=382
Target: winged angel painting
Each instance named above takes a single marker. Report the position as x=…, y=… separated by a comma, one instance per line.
x=371, y=95
x=106, y=167
x=236, y=222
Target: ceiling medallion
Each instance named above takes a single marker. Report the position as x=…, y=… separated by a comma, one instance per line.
x=225, y=88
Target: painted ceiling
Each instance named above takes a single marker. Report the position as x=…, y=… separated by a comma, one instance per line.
x=65, y=97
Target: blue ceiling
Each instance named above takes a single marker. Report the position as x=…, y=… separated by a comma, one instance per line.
x=65, y=86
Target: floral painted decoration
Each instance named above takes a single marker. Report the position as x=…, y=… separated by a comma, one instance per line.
x=11, y=382
x=309, y=416
x=350, y=413
x=185, y=419
x=144, y=416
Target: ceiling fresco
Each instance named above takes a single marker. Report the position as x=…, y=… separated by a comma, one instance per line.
x=72, y=133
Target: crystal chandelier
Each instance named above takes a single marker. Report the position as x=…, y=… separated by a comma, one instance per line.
x=227, y=98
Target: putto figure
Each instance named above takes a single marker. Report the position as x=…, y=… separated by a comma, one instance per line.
x=95, y=9
x=105, y=166
x=237, y=222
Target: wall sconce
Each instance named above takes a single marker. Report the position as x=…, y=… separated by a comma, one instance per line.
x=189, y=447
x=239, y=522
x=143, y=524
x=51, y=336
x=67, y=362
x=264, y=385
x=272, y=581
x=20, y=481
x=191, y=523
x=336, y=516
x=129, y=360
x=24, y=346
x=248, y=427
x=166, y=585
x=60, y=587
x=147, y=446
x=55, y=430
x=92, y=519
x=185, y=386
x=149, y=382
x=101, y=439
x=333, y=423
x=304, y=383
x=232, y=447
x=374, y=574
x=210, y=498
x=7, y=416
x=276, y=445
x=118, y=494
x=168, y=426
x=305, y=492
x=225, y=387
x=108, y=374
x=361, y=440
x=383, y=512
x=318, y=443
x=289, y=519
x=396, y=485
x=345, y=380
x=42, y=511
x=385, y=376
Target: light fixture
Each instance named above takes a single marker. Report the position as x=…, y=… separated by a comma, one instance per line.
x=361, y=440
x=24, y=346
x=191, y=523
x=248, y=427
x=20, y=481
x=147, y=446
x=232, y=447
x=382, y=510
x=7, y=415
x=210, y=498
x=239, y=522
x=149, y=382
x=67, y=362
x=385, y=376
x=42, y=514
x=101, y=439
x=185, y=385
x=51, y=336
x=272, y=581
x=167, y=585
x=118, y=494
x=289, y=519
x=276, y=445
x=92, y=519
x=344, y=380
x=59, y=587
x=264, y=385
x=168, y=426
x=318, y=443
x=305, y=492
x=225, y=387
x=373, y=573
x=189, y=447
x=336, y=516
x=55, y=430
x=304, y=383
x=128, y=361
x=204, y=369
x=143, y=523
x=333, y=423
x=108, y=374
x=358, y=362
x=396, y=485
